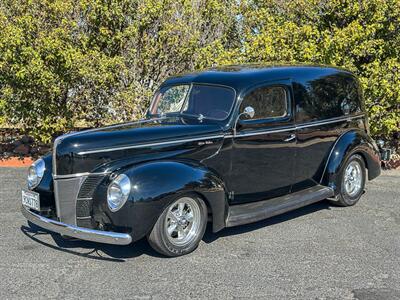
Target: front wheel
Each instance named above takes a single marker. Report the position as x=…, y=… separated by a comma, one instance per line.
x=180, y=227
x=352, y=181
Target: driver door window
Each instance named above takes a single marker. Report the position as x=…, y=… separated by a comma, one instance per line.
x=268, y=102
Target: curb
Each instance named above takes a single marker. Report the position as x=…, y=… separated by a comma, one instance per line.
x=16, y=162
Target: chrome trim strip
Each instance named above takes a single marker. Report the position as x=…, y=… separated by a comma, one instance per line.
x=54, y=164
x=82, y=233
x=306, y=125
x=328, y=121
x=84, y=218
x=79, y=175
x=150, y=144
x=262, y=132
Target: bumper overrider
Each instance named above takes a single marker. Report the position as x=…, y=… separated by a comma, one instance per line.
x=106, y=237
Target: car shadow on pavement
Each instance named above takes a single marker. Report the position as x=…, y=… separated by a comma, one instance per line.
x=116, y=253
x=210, y=237
x=88, y=249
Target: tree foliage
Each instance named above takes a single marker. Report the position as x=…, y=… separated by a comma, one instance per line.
x=362, y=36
x=66, y=63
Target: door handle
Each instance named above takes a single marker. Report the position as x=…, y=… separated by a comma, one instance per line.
x=290, y=138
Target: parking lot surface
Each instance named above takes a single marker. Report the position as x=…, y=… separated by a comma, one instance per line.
x=317, y=252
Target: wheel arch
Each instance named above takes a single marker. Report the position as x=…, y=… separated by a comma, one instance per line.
x=350, y=143
x=156, y=184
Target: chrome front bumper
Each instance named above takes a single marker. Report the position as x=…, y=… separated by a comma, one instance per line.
x=87, y=234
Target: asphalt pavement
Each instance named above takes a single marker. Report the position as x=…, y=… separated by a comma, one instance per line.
x=317, y=252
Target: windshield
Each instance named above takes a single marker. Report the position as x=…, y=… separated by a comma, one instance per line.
x=205, y=101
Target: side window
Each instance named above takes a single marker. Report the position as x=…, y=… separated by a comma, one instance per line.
x=174, y=98
x=268, y=102
x=327, y=97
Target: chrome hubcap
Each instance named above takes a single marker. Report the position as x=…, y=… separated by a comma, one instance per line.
x=353, y=179
x=182, y=223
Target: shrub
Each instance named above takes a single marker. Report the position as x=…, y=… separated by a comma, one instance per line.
x=361, y=36
x=66, y=63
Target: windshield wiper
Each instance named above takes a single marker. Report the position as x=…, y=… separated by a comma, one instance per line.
x=199, y=117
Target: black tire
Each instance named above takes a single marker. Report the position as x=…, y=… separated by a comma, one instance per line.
x=163, y=243
x=345, y=198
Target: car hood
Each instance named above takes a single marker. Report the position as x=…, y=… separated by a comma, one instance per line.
x=90, y=150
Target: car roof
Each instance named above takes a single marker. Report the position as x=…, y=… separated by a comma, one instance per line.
x=240, y=77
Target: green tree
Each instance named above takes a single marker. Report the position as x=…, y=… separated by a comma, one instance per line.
x=65, y=63
x=362, y=36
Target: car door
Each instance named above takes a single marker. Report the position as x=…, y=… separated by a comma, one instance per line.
x=264, y=147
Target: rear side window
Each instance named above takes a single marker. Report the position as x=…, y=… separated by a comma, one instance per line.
x=268, y=102
x=327, y=97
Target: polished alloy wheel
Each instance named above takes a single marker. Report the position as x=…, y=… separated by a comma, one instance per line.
x=182, y=222
x=353, y=179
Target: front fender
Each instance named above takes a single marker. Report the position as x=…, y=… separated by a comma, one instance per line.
x=156, y=184
x=351, y=142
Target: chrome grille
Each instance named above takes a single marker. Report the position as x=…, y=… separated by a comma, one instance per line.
x=83, y=208
x=84, y=202
x=89, y=186
x=66, y=193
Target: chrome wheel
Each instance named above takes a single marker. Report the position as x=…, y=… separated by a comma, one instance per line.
x=182, y=222
x=353, y=178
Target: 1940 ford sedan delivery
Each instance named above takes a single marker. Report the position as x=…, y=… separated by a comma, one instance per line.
x=230, y=146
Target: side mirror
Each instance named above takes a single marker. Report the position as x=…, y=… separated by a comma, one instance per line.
x=380, y=143
x=248, y=112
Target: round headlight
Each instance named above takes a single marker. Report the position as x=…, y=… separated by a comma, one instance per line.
x=118, y=192
x=35, y=173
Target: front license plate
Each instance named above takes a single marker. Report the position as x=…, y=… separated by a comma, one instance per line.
x=31, y=200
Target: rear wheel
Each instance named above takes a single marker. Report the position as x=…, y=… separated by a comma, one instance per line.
x=352, y=181
x=180, y=227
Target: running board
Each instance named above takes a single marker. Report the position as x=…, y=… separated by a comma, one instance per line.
x=256, y=211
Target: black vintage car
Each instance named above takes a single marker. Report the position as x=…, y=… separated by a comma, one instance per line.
x=229, y=145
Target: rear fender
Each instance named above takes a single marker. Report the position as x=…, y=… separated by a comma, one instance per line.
x=351, y=142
